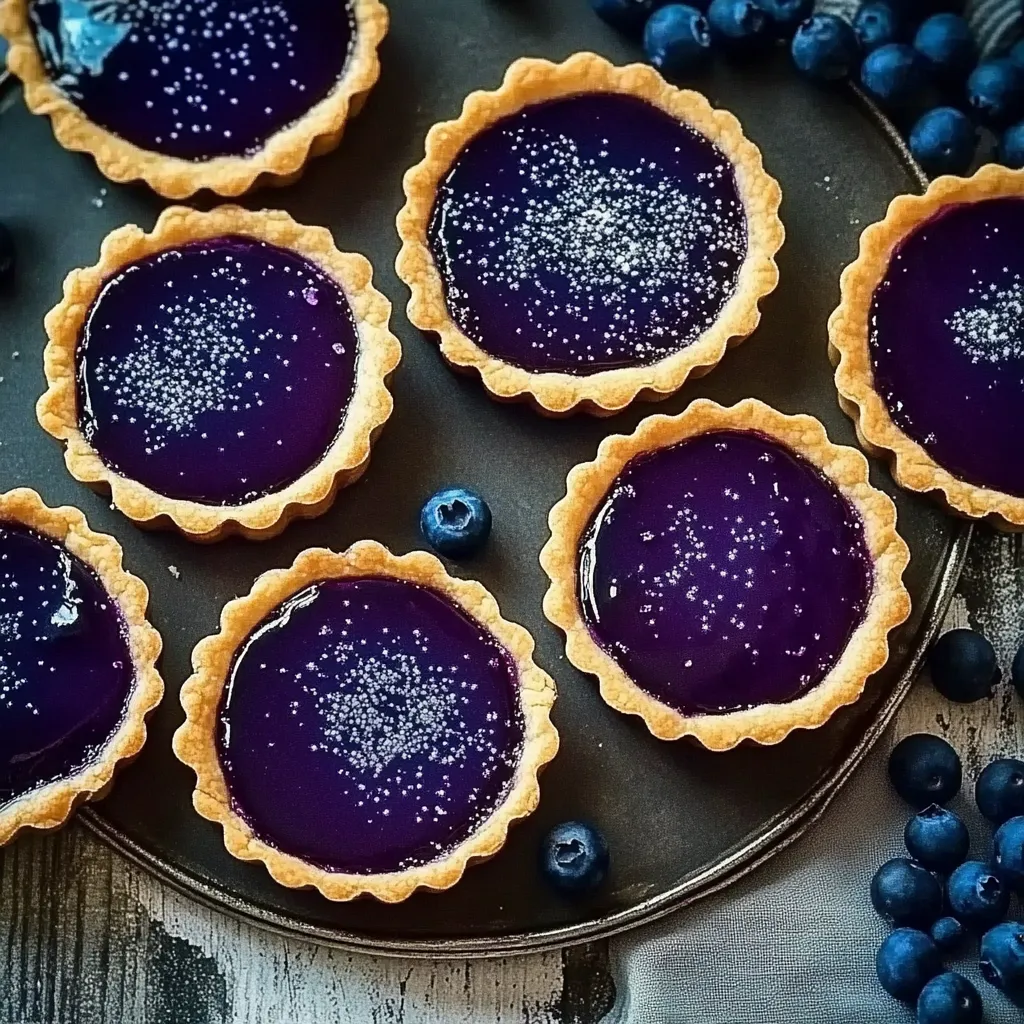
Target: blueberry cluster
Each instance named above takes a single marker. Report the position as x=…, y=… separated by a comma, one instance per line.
x=936, y=897
x=924, y=73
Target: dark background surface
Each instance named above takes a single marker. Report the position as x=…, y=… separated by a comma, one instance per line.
x=670, y=810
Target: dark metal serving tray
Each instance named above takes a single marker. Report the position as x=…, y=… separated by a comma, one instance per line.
x=681, y=821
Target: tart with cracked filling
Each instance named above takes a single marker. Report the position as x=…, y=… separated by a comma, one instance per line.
x=366, y=724
x=728, y=574
x=928, y=342
x=77, y=663
x=222, y=374
x=196, y=94
x=588, y=234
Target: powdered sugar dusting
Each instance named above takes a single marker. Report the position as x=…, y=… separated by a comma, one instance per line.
x=406, y=732
x=619, y=237
x=990, y=328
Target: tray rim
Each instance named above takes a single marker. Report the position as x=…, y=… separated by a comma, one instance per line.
x=776, y=835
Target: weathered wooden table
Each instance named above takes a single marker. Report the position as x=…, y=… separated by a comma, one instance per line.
x=88, y=938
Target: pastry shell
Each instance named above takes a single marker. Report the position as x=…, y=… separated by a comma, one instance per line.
x=281, y=159
x=195, y=740
x=865, y=653
x=529, y=81
x=50, y=806
x=314, y=491
x=849, y=349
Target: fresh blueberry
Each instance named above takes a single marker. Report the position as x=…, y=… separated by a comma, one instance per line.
x=677, y=39
x=943, y=141
x=949, y=999
x=1016, y=54
x=946, y=43
x=925, y=770
x=825, y=48
x=876, y=23
x=905, y=893
x=999, y=791
x=7, y=254
x=906, y=962
x=1008, y=852
x=937, y=839
x=1017, y=669
x=787, y=14
x=963, y=666
x=896, y=76
x=947, y=933
x=574, y=857
x=1011, y=154
x=738, y=23
x=977, y=897
x=456, y=521
x=995, y=92
x=625, y=15
x=1002, y=959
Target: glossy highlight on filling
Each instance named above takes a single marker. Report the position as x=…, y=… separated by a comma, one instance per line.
x=66, y=671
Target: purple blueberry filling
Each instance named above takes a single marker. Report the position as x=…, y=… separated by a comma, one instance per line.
x=588, y=233
x=947, y=341
x=724, y=572
x=369, y=725
x=218, y=372
x=194, y=79
x=66, y=671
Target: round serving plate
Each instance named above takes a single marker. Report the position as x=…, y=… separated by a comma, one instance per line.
x=681, y=822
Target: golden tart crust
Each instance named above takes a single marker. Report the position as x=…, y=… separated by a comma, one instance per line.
x=344, y=462
x=50, y=806
x=280, y=161
x=848, y=333
x=530, y=81
x=867, y=649
x=194, y=742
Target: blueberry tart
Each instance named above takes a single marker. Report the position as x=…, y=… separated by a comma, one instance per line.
x=728, y=574
x=196, y=94
x=222, y=374
x=77, y=663
x=588, y=234
x=928, y=343
x=366, y=724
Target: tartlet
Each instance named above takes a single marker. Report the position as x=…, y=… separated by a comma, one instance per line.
x=928, y=343
x=366, y=724
x=588, y=234
x=77, y=663
x=224, y=373
x=727, y=574
x=162, y=92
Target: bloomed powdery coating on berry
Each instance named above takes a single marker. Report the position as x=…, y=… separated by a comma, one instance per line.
x=588, y=233
x=369, y=725
x=194, y=78
x=191, y=363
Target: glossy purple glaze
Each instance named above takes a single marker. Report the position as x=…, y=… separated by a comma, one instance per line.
x=369, y=725
x=217, y=372
x=65, y=667
x=194, y=79
x=724, y=572
x=588, y=233
x=947, y=341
